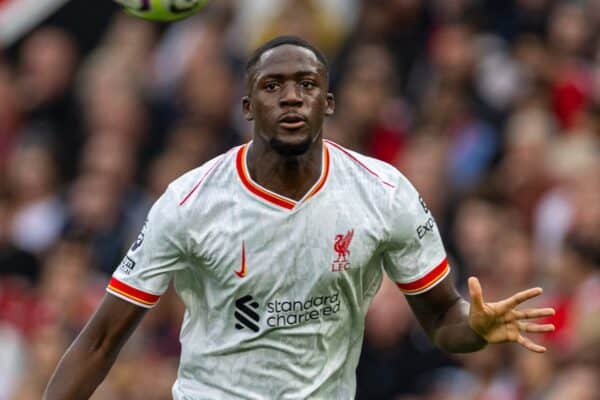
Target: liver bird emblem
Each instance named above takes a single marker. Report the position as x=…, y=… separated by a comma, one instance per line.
x=342, y=242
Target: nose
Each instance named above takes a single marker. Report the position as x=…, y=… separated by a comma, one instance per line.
x=290, y=95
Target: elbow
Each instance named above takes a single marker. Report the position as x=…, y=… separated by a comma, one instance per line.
x=100, y=347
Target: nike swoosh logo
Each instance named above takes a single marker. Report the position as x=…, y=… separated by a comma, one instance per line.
x=242, y=272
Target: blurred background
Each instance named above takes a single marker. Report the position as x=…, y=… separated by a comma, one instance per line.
x=491, y=108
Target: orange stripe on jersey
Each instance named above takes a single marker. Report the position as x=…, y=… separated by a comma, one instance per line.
x=269, y=196
x=132, y=293
x=324, y=173
x=254, y=188
x=427, y=281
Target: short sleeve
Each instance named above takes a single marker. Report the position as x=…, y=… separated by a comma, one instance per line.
x=146, y=270
x=414, y=255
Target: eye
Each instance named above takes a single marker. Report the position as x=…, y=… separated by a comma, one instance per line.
x=306, y=84
x=271, y=86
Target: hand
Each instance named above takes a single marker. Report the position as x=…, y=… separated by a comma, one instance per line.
x=500, y=322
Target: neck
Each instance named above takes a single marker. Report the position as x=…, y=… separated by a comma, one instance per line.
x=289, y=176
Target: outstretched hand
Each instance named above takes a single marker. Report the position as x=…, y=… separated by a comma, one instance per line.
x=501, y=322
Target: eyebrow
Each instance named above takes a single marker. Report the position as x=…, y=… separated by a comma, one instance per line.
x=280, y=76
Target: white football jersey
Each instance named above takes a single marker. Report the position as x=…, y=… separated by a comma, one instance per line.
x=276, y=290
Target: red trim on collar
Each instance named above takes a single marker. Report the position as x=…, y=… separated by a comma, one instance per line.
x=272, y=197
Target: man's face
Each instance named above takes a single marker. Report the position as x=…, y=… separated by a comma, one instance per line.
x=288, y=99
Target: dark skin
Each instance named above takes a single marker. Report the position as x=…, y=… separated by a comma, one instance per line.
x=288, y=100
x=87, y=361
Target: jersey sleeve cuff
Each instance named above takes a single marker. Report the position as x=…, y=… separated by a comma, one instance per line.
x=428, y=281
x=131, y=294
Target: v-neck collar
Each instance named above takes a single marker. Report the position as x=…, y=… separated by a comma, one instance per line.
x=270, y=196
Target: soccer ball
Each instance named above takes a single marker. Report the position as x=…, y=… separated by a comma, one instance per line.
x=162, y=10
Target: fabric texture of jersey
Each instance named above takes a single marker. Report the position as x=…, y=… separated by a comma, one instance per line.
x=276, y=290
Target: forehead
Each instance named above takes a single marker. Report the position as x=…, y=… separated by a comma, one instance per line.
x=287, y=60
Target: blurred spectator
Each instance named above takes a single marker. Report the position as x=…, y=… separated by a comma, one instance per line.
x=476, y=228
x=472, y=143
x=323, y=22
x=11, y=119
x=571, y=163
x=131, y=40
x=14, y=262
x=98, y=212
x=490, y=108
x=521, y=175
x=534, y=374
x=576, y=382
x=46, y=346
x=568, y=34
x=577, y=299
x=68, y=291
x=47, y=64
x=367, y=118
x=38, y=210
x=483, y=376
x=499, y=78
x=12, y=353
x=424, y=164
x=207, y=96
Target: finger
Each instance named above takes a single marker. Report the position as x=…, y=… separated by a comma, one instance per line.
x=535, y=328
x=530, y=345
x=531, y=313
x=475, y=292
x=520, y=297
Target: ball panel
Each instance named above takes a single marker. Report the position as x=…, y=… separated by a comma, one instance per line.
x=162, y=10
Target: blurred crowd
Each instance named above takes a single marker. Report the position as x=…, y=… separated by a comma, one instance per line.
x=491, y=108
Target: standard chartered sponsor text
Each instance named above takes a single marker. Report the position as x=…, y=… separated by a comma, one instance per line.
x=295, y=312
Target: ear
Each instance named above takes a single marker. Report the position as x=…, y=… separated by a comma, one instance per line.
x=247, y=108
x=330, y=109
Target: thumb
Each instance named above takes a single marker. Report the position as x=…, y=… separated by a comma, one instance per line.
x=475, y=292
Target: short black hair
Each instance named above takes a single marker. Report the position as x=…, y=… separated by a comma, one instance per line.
x=281, y=41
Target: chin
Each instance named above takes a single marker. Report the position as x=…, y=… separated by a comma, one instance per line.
x=291, y=147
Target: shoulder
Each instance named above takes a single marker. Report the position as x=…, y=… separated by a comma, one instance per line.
x=188, y=184
x=355, y=163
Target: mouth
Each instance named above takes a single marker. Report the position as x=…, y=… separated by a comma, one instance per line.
x=292, y=121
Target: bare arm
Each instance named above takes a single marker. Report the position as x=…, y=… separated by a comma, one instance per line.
x=90, y=357
x=457, y=326
x=444, y=315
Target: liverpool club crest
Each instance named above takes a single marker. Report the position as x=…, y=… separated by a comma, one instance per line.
x=341, y=247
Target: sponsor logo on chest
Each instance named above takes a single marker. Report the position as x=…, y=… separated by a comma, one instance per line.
x=284, y=313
